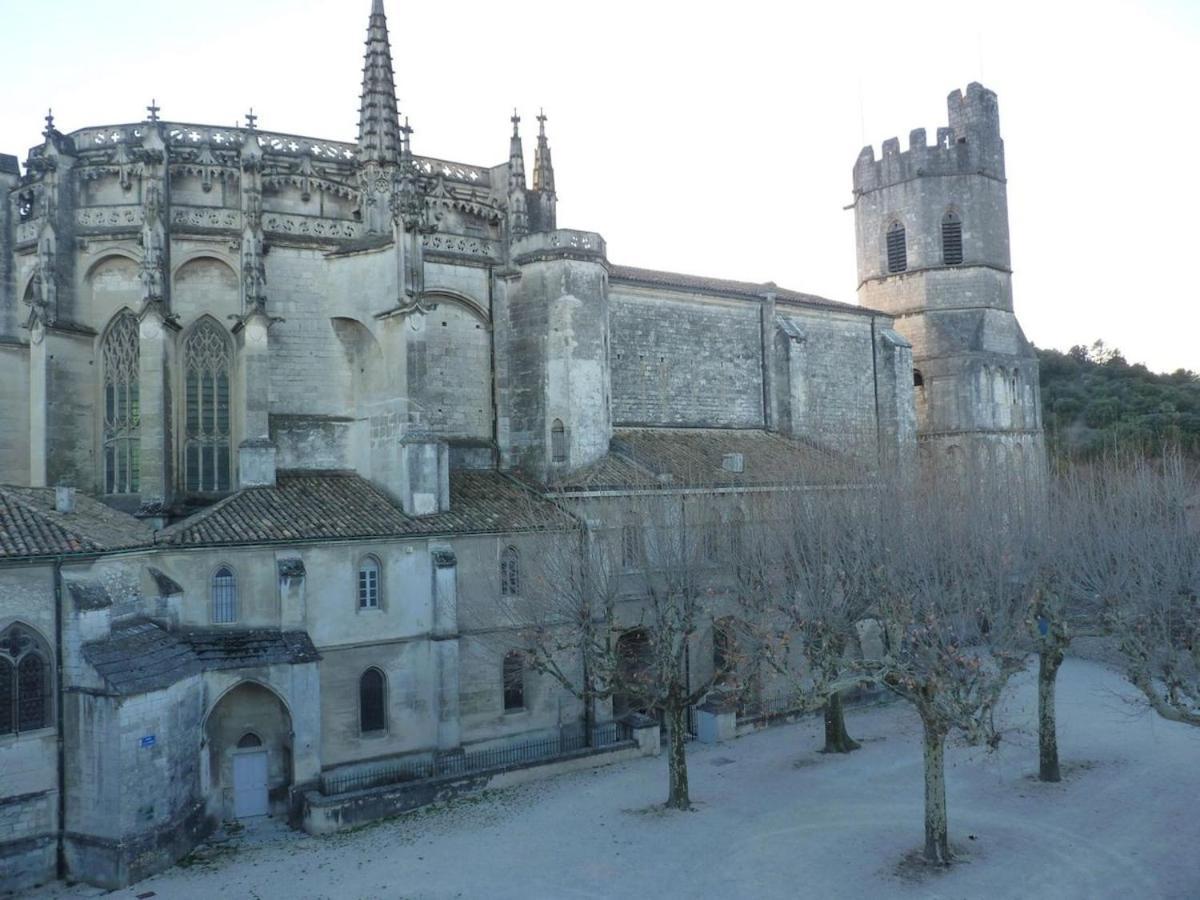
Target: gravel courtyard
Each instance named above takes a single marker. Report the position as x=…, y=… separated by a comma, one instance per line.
x=773, y=818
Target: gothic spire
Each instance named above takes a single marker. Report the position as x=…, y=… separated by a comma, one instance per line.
x=543, y=168
x=378, y=116
x=517, y=211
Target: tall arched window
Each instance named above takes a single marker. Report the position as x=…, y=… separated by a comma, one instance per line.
x=368, y=583
x=372, y=713
x=631, y=546
x=224, y=596
x=897, y=248
x=510, y=572
x=206, y=401
x=122, y=436
x=952, y=246
x=558, y=442
x=514, y=681
x=24, y=681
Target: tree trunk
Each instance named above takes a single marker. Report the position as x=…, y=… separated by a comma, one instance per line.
x=836, y=738
x=677, y=758
x=1048, y=663
x=937, y=841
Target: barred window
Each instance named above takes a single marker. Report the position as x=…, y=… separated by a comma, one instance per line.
x=224, y=596
x=122, y=433
x=372, y=714
x=897, y=249
x=510, y=572
x=514, y=681
x=24, y=681
x=952, y=246
x=368, y=583
x=558, y=442
x=206, y=385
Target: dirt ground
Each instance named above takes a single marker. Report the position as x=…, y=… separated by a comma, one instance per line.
x=774, y=818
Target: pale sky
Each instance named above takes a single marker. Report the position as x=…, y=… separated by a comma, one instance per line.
x=711, y=138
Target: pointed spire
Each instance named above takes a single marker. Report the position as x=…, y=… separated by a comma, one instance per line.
x=543, y=168
x=378, y=116
x=518, y=215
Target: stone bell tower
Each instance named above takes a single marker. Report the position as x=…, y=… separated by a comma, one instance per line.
x=931, y=225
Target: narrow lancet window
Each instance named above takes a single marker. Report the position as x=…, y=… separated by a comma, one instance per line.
x=206, y=384
x=897, y=249
x=952, y=245
x=122, y=416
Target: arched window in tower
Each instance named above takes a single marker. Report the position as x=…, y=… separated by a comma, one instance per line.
x=372, y=711
x=514, y=681
x=122, y=434
x=224, y=596
x=952, y=245
x=206, y=400
x=558, y=442
x=24, y=681
x=510, y=572
x=918, y=379
x=897, y=248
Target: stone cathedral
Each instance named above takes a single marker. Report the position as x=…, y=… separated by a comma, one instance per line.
x=281, y=418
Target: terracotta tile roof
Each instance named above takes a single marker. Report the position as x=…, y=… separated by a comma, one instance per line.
x=727, y=287
x=342, y=505
x=31, y=527
x=695, y=457
x=141, y=656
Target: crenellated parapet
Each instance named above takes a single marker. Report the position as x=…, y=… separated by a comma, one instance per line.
x=969, y=145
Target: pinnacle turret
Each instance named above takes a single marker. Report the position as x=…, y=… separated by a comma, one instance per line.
x=378, y=115
x=543, y=168
x=518, y=214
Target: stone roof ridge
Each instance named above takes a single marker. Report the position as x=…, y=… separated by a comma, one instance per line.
x=728, y=286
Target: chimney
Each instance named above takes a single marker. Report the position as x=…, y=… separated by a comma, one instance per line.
x=64, y=499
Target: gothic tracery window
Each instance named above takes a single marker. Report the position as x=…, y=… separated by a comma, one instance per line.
x=122, y=416
x=24, y=681
x=207, y=432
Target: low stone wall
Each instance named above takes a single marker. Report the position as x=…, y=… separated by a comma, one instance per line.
x=328, y=815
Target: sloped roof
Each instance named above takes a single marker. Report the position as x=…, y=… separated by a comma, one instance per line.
x=141, y=656
x=31, y=527
x=727, y=287
x=694, y=457
x=344, y=505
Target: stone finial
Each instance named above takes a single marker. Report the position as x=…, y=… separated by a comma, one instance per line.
x=251, y=120
x=49, y=130
x=518, y=214
x=153, y=110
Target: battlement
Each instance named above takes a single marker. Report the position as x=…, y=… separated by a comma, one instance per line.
x=969, y=144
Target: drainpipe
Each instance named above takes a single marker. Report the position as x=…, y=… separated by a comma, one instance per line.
x=60, y=854
x=875, y=385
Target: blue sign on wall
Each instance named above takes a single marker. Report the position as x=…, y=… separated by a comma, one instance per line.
x=148, y=741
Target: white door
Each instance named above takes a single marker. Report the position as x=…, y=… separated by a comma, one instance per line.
x=250, y=784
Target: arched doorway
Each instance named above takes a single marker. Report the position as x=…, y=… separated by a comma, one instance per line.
x=634, y=669
x=248, y=739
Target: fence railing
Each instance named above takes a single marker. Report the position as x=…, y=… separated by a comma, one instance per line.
x=457, y=763
x=763, y=709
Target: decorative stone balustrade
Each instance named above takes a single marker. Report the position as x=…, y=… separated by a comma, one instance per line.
x=563, y=242
x=109, y=217
x=310, y=226
x=461, y=245
x=206, y=217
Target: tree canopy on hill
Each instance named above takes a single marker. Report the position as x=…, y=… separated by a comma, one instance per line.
x=1094, y=402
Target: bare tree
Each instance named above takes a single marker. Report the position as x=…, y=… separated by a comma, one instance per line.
x=806, y=585
x=951, y=585
x=1137, y=555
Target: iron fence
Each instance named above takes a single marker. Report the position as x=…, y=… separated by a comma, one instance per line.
x=460, y=763
x=764, y=709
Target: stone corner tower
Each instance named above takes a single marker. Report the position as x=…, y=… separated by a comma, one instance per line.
x=931, y=227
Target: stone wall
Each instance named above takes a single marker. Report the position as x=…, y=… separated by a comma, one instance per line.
x=685, y=360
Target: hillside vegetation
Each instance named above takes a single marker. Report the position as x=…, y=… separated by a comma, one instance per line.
x=1094, y=401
